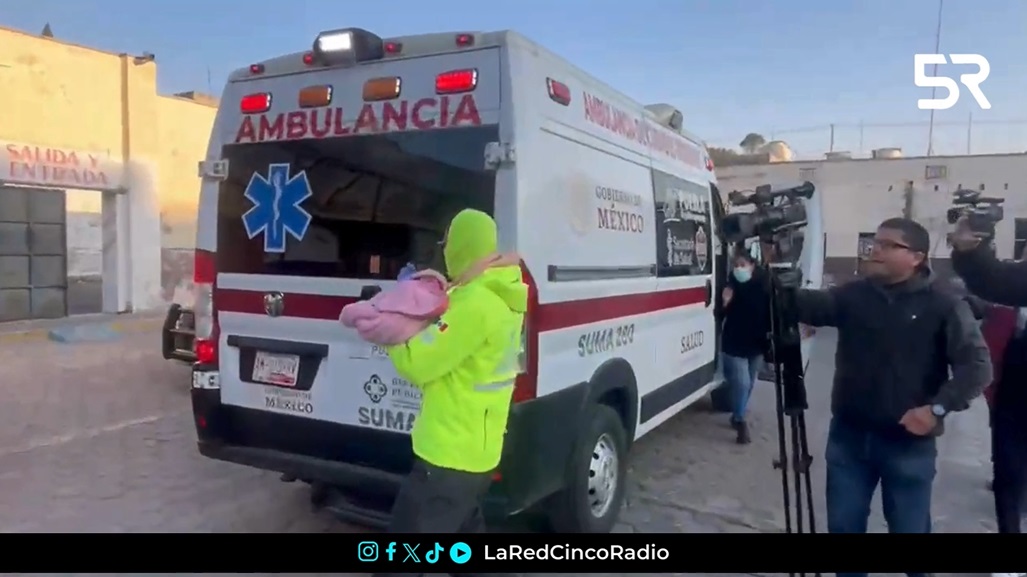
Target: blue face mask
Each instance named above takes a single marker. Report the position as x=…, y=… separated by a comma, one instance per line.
x=742, y=274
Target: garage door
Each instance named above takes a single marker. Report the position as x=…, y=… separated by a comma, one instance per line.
x=33, y=254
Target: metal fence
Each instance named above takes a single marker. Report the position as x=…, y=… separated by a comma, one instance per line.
x=970, y=136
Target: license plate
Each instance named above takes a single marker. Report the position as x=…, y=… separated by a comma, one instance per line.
x=275, y=369
x=206, y=380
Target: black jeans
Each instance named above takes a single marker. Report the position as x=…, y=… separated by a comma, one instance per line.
x=436, y=500
x=1009, y=464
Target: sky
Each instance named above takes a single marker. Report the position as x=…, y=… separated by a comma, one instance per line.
x=787, y=69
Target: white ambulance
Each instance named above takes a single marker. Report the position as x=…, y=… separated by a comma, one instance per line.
x=329, y=170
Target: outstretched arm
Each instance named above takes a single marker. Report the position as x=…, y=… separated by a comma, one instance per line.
x=1003, y=283
x=817, y=307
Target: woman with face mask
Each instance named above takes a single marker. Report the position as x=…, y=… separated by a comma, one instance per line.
x=744, y=337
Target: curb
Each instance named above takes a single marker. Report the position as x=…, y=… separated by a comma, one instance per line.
x=72, y=332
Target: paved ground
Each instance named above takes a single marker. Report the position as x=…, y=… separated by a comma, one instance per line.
x=98, y=438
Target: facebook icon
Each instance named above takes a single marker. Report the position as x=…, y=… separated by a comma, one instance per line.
x=391, y=550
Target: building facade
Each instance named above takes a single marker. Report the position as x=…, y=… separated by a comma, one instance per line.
x=860, y=193
x=85, y=120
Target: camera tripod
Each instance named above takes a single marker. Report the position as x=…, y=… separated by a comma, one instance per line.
x=794, y=459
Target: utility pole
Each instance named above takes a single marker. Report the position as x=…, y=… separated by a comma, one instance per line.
x=831, y=145
x=969, y=133
x=934, y=91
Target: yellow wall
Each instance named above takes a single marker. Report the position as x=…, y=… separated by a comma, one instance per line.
x=62, y=95
x=68, y=96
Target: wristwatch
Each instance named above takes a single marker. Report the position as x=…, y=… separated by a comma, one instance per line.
x=939, y=410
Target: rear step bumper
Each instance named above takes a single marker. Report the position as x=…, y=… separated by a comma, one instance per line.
x=177, y=335
x=336, y=474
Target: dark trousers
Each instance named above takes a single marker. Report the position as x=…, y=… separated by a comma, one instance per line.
x=436, y=500
x=858, y=460
x=1009, y=465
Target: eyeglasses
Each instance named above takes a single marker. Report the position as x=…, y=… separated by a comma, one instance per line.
x=885, y=244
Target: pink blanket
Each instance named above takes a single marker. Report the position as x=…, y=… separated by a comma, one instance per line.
x=392, y=317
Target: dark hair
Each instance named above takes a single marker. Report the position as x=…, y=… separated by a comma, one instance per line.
x=743, y=254
x=913, y=233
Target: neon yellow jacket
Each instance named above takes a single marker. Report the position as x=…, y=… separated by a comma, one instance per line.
x=466, y=362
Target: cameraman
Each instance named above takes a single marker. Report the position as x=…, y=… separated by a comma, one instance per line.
x=898, y=336
x=1002, y=283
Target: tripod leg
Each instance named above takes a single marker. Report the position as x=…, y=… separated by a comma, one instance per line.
x=807, y=480
x=782, y=461
x=796, y=464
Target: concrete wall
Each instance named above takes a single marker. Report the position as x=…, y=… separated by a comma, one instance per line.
x=56, y=94
x=859, y=194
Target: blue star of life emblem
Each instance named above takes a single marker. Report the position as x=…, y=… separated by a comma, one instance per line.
x=276, y=206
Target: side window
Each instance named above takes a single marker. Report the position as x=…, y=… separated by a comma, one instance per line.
x=684, y=239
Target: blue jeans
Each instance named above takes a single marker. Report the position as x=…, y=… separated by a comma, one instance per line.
x=857, y=460
x=740, y=374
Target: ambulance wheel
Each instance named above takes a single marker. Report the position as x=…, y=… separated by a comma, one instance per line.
x=319, y=493
x=596, y=478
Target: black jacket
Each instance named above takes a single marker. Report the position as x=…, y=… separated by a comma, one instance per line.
x=747, y=317
x=896, y=345
x=1001, y=283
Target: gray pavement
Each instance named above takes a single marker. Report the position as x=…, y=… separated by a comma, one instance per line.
x=98, y=437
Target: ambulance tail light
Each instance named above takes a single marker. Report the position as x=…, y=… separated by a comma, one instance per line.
x=393, y=47
x=709, y=164
x=255, y=103
x=256, y=68
x=308, y=58
x=385, y=88
x=204, y=313
x=558, y=92
x=456, y=81
x=464, y=40
x=526, y=382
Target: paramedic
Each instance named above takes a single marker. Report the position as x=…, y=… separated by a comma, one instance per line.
x=744, y=340
x=898, y=336
x=465, y=364
x=1002, y=283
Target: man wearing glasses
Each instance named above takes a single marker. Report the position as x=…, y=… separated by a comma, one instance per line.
x=899, y=334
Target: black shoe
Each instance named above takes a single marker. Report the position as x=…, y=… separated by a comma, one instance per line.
x=743, y=437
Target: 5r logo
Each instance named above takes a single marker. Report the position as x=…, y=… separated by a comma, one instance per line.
x=971, y=81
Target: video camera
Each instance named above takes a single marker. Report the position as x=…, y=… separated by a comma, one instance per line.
x=776, y=211
x=982, y=213
x=778, y=220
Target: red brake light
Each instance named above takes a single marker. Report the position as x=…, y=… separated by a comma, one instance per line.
x=205, y=317
x=464, y=40
x=456, y=81
x=308, y=58
x=255, y=103
x=558, y=92
x=206, y=352
x=256, y=68
x=709, y=164
x=393, y=47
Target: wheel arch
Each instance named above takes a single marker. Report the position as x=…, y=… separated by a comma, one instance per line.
x=615, y=385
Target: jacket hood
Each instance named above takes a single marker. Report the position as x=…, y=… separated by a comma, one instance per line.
x=471, y=237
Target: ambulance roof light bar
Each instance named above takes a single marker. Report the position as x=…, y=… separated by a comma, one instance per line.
x=347, y=46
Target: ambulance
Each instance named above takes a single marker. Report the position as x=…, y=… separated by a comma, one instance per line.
x=330, y=170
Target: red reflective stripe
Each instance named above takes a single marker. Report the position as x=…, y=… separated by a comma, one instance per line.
x=549, y=316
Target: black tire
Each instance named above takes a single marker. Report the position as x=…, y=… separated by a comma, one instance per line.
x=319, y=494
x=571, y=509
